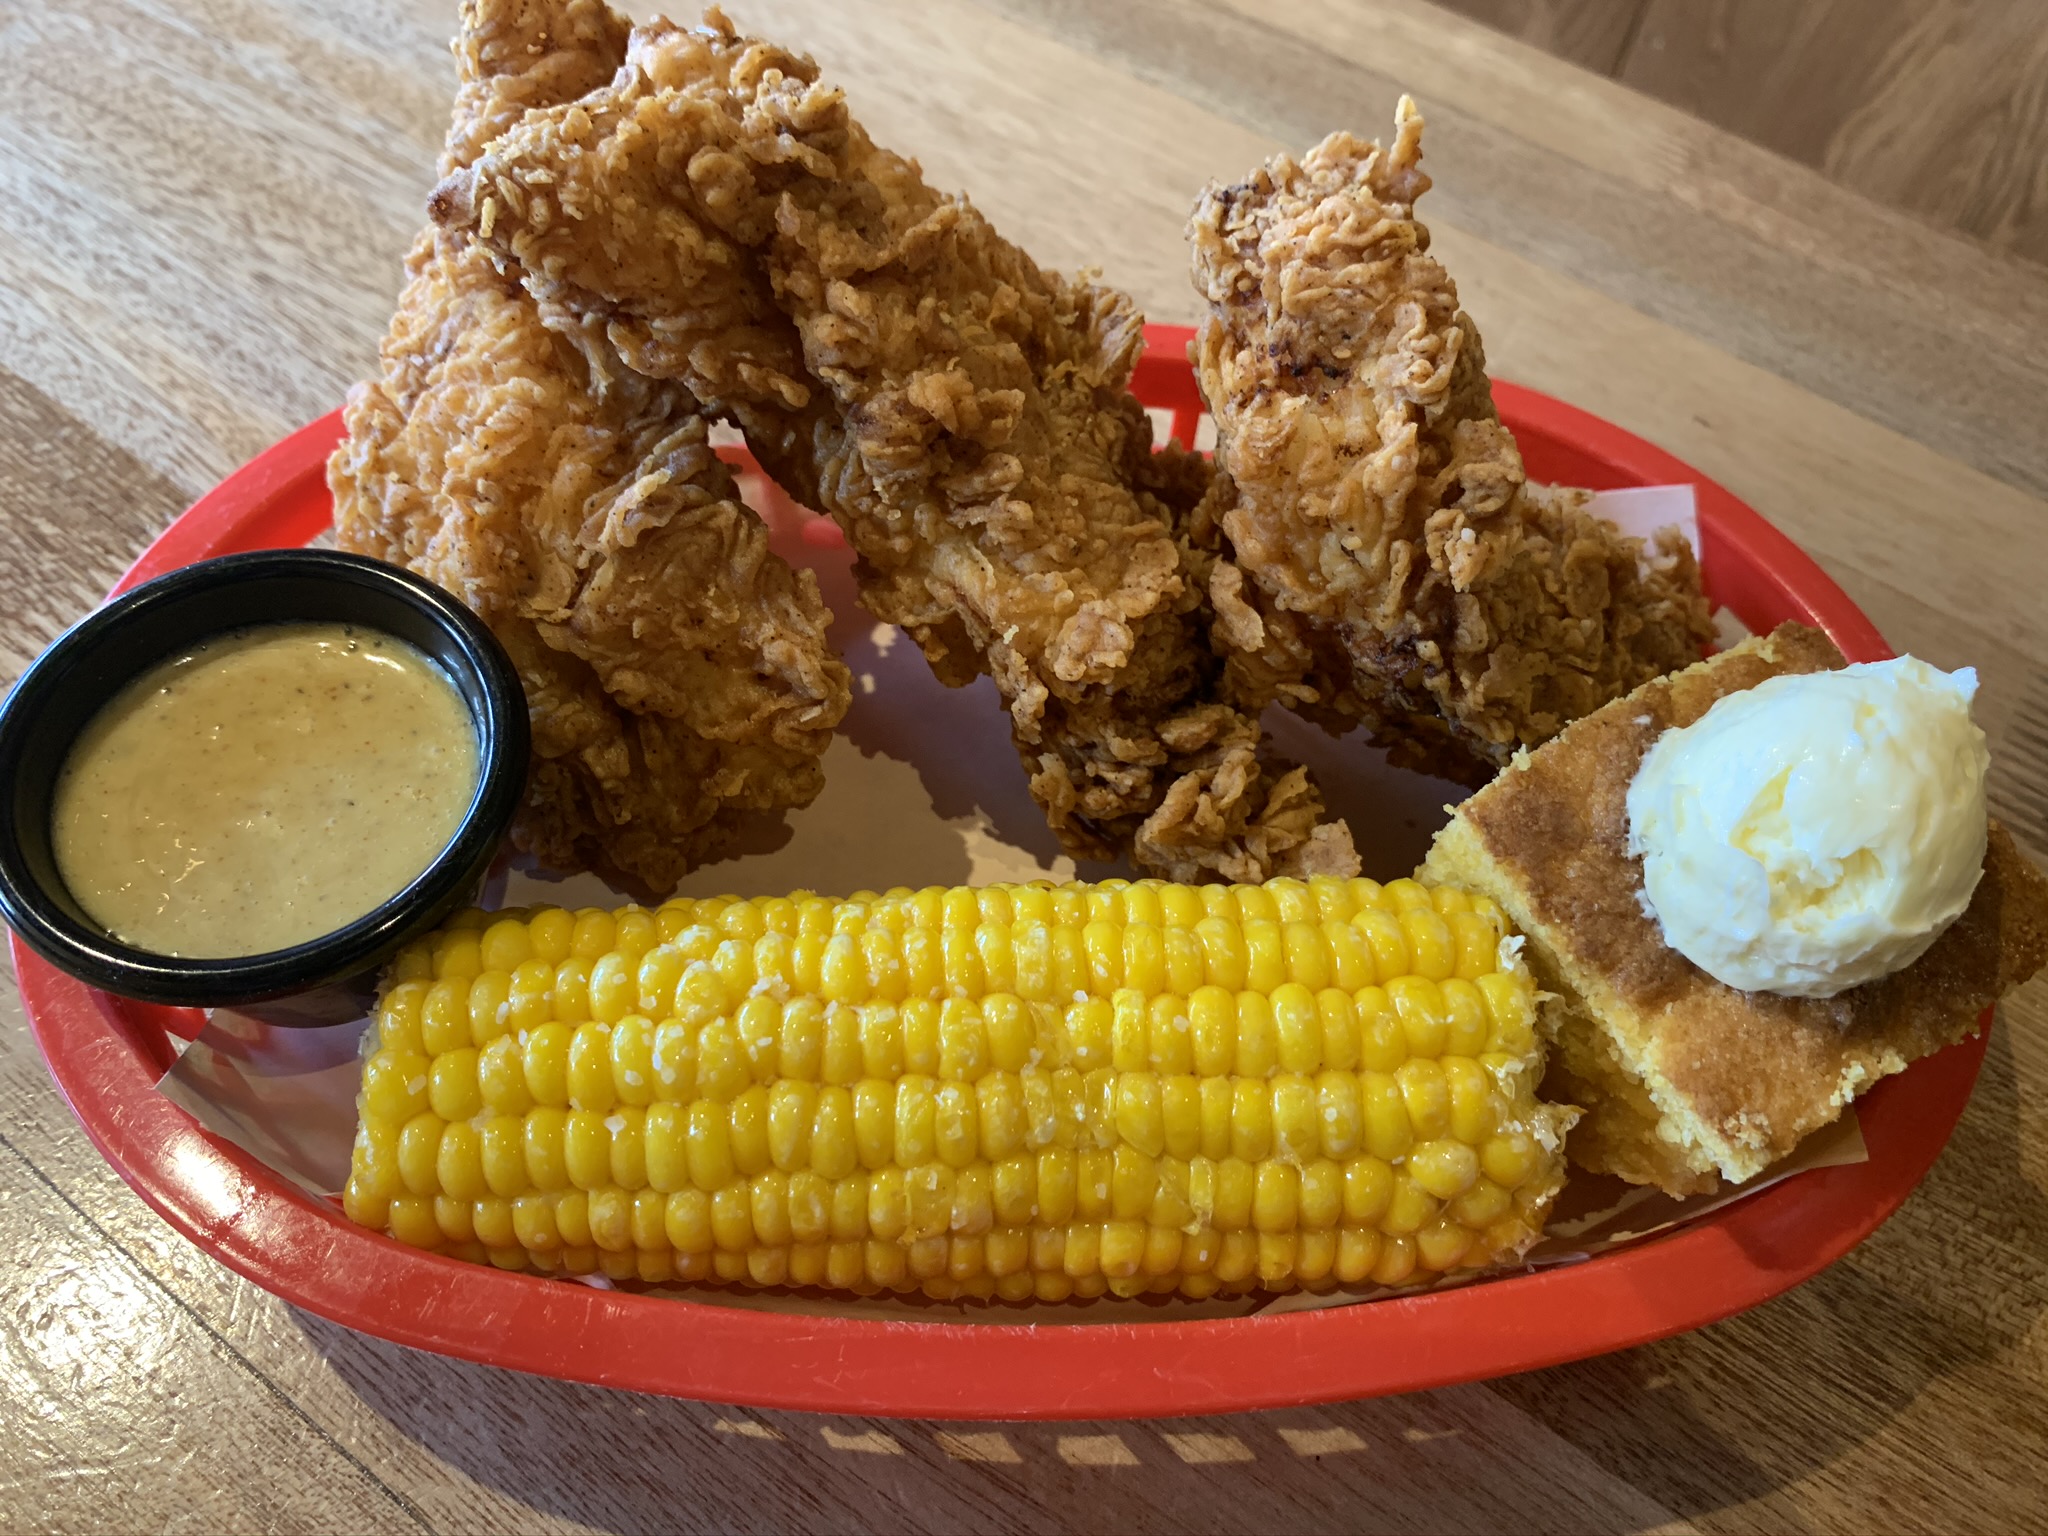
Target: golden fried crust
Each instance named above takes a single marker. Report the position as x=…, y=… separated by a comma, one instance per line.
x=1738, y=1077
x=1374, y=495
x=676, y=670
x=715, y=216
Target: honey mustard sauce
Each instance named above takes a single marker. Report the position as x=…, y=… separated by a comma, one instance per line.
x=266, y=787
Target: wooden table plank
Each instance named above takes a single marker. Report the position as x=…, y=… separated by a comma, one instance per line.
x=113, y=1387
x=202, y=206
x=1931, y=105
x=1593, y=33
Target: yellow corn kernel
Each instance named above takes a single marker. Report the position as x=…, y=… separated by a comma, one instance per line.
x=1351, y=960
x=1297, y=1134
x=723, y=1071
x=956, y=1124
x=1133, y=1183
x=444, y=1016
x=632, y=1060
x=614, y=988
x=549, y=933
x=1509, y=1159
x=710, y=1147
x=398, y=1018
x=1340, y=1117
x=1012, y=1033
x=840, y=1048
x=1180, y=1109
x=1322, y=1193
x=1409, y=1207
x=590, y=1068
x=1258, y=1051
x=452, y=1088
x=992, y=944
x=747, y=1116
x=1089, y=1029
x=412, y=1222
x=1441, y=1244
x=915, y=1128
x=1427, y=1096
x=609, y=1217
x=834, y=1145
x=1388, y=1131
x=673, y=1058
x=1013, y=1191
x=636, y=932
x=1140, y=1120
x=1034, y=973
x=1235, y=1184
x=503, y=1146
x=459, y=960
x=396, y=1085
x=1385, y=938
x=419, y=1149
x=490, y=1006
x=1481, y=1206
x=1308, y=958
x=1510, y=1009
x=413, y=963
x=545, y=1062
x=572, y=1218
x=1475, y=1104
x=963, y=1041
x=1420, y=1006
x=1445, y=1168
x=533, y=1224
x=530, y=1001
x=541, y=1134
x=1276, y=1197
x=1382, y=1036
x=1297, y=1028
x=571, y=992
x=586, y=1149
x=1251, y=1120
x=491, y=1220
x=456, y=1219
x=792, y=1110
x=458, y=1162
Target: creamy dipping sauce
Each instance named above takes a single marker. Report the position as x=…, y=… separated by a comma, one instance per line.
x=266, y=787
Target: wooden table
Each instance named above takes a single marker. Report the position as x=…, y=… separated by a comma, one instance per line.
x=202, y=208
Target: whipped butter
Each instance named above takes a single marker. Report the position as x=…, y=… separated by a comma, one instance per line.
x=1815, y=831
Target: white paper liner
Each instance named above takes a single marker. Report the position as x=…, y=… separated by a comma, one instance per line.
x=922, y=788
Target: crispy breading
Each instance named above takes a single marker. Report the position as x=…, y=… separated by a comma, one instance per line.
x=719, y=218
x=677, y=669
x=1376, y=494
x=511, y=55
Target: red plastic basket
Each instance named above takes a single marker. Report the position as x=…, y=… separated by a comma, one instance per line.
x=107, y=1055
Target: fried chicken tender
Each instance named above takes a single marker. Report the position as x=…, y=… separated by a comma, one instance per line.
x=719, y=218
x=677, y=670
x=1375, y=499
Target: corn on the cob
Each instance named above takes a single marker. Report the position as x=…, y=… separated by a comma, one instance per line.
x=1019, y=1091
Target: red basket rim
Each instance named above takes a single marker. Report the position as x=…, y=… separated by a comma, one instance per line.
x=106, y=1057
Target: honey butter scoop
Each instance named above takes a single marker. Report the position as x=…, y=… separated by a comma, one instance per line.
x=1818, y=830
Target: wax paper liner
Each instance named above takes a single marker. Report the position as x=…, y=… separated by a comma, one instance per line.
x=921, y=788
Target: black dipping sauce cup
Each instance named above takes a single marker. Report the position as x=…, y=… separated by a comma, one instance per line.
x=331, y=978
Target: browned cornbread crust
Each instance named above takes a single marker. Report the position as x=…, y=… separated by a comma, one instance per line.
x=1686, y=1079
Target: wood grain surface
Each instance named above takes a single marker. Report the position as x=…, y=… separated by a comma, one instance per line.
x=202, y=208
x=1939, y=107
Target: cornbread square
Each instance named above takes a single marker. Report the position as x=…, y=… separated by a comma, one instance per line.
x=1685, y=1080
